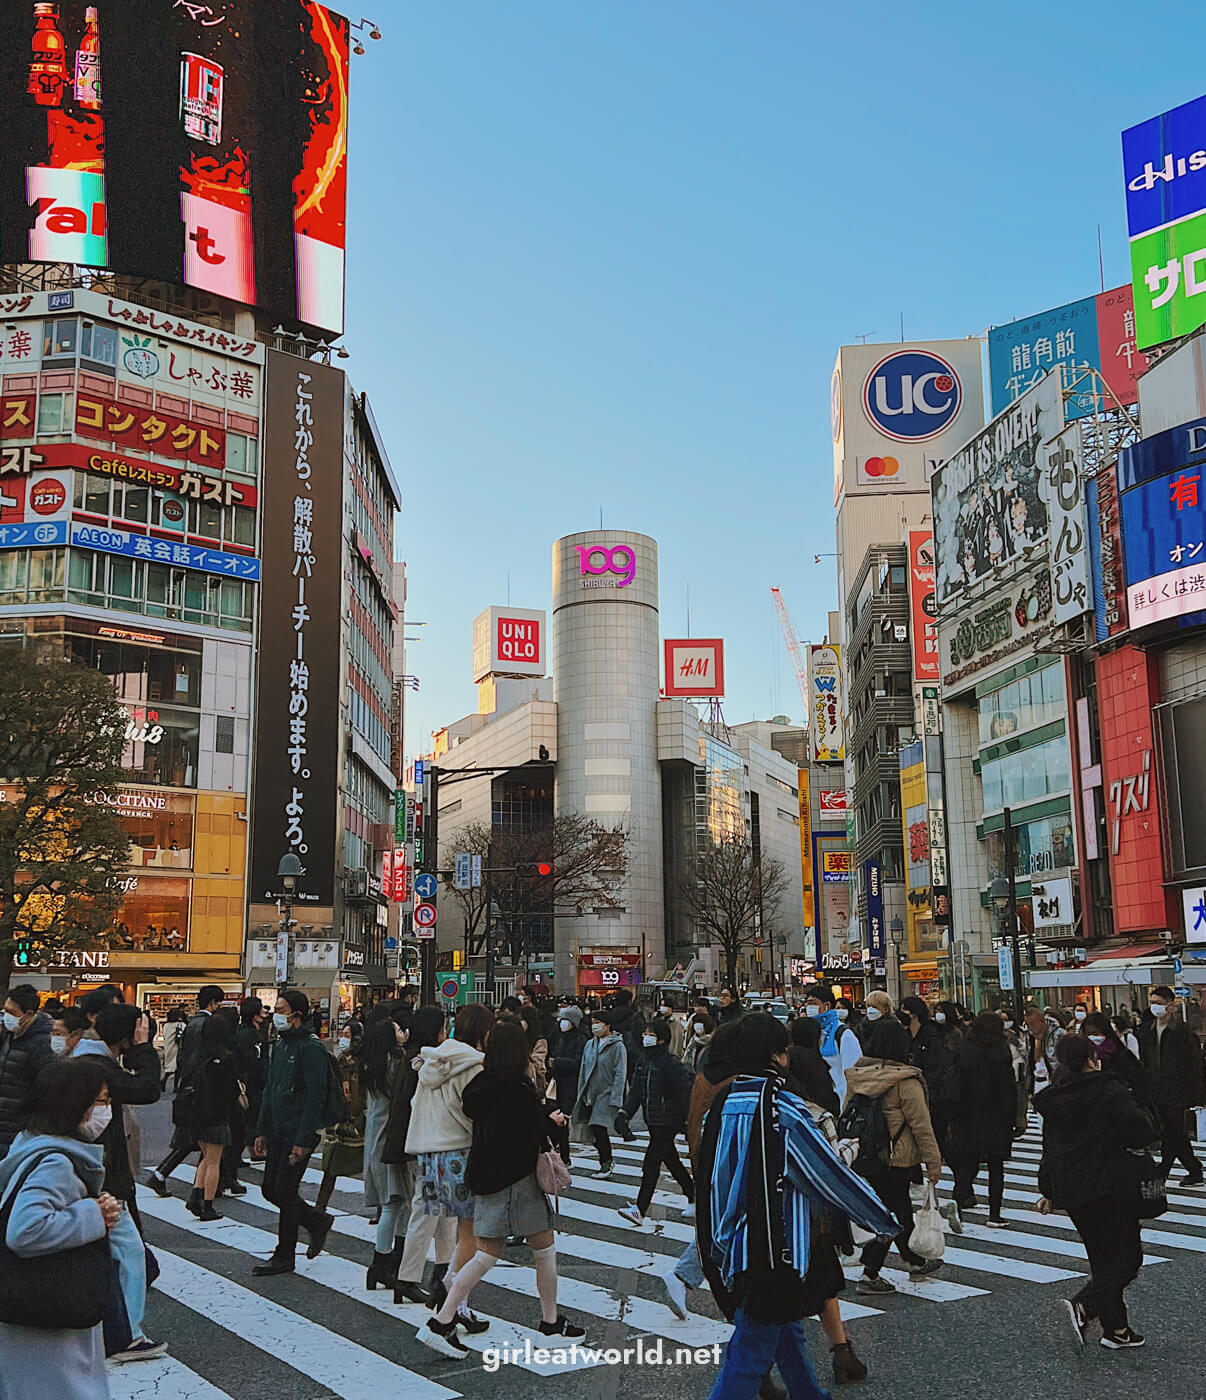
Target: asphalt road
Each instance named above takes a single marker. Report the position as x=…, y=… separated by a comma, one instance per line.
x=988, y=1326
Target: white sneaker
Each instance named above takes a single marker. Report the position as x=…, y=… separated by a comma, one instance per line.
x=141, y=1349
x=631, y=1214
x=954, y=1217
x=676, y=1294
x=447, y=1343
x=688, y=1212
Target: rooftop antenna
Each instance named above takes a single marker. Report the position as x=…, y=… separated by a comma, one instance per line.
x=902, y=327
x=864, y=337
x=1100, y=259
x=600, y=517
x=688, y=610
x=508, y=588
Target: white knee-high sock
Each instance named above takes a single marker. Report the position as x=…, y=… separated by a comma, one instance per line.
x=546, y=1281
x=473, y=1273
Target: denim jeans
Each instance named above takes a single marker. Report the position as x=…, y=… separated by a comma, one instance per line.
x=126, y=1245
x=753, y=1349
x=689, y=1268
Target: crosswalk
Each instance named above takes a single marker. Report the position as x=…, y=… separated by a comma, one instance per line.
x=354, y=1344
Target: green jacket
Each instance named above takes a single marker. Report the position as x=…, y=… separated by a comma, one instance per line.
x=291, y=1111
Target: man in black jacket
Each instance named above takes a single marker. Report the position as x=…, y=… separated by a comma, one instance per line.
x=121, y=1041
x=1172, y=1056
x=661, y=1089
x=565, y=1064
x=24, y=1049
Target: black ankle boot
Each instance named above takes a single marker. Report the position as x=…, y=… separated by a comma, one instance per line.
x=383, y=1270
x=405, y=1292
x=194, y=1201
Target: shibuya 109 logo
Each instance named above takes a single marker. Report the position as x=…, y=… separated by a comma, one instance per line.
x=596, y=559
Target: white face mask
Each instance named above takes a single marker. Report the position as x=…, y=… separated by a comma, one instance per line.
x=1009, y=1025
x=1080, y=1015
x=1097, y=1039
x=58, y=1043
x=598, y=1029
x=873, y=1013
x=812, y=1009
x=940, y=1017
x=11, y=1022
x=279, y=1021
x=100, y=1115
x=565, y=1025
x=663, y=1011
x=842, y=1013
x=344, y=1043
x=697, y=1028
x=648, y=1040
x=1159, y=1009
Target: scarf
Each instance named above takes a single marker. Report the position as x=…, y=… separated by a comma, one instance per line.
x=829, y=1031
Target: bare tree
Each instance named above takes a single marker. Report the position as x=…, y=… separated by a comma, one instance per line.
x=589, y=867
x=62, y=846
x=731, y=898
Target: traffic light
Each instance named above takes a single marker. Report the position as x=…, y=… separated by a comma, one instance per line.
x=539, y=869
x=24, y=956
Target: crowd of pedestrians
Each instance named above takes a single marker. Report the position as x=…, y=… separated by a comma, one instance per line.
x=807, y=1143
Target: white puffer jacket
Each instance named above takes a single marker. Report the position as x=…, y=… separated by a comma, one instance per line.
x=437, y=1120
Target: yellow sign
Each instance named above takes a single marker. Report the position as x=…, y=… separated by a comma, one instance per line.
x=838, y=865
x=810, y=917
x=914, y=820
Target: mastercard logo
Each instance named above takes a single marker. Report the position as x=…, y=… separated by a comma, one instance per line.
x=881, y=466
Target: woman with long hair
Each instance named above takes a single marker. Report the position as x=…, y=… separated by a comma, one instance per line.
x=217, y=1083
x=511, y=1127
x=1090, y=1119
x=388, y=1186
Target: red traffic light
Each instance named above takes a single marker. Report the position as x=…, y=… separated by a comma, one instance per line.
x=544, y=868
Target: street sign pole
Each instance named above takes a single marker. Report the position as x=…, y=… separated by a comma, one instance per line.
x=431, y=864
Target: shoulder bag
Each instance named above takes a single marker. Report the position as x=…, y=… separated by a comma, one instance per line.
x=52, y=1292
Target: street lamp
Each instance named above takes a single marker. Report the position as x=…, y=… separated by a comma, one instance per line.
x=287, y=872
x=1003, y=892
x=896, y=931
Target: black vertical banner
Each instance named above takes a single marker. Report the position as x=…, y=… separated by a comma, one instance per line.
x=295, y=797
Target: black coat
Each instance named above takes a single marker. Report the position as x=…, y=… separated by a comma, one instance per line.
x=217, y=1081
x=188, y=1057
x=510, y=1130
x=135, y=1080
x=1117, y=1060
x=629, y=1023
x=403, y=1084
x=983, y=1116
x=661, y=1088
x=1174, y=1064
x=1088, y=1124
x=933, y=1052
x=21, y=1059
x=565, y=1064
x=251, y=1055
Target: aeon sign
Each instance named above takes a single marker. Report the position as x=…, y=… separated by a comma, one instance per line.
x=618, y=562
x=912, y=396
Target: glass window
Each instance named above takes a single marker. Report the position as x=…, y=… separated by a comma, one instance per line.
x=121, y=578
x=96, y=494
x=224, y=731
x=52, y=415
x=1027, y=776
x=99, y=343
x=209, y=520
x=14, y=569
x=242, y=454
x=242, y=525
x=135, y=504
x=46, y=574
x=1032, y=700
x=82, y=575
x=162, y=748
x=1038, y=846
x=195, y=591
x=60, y=338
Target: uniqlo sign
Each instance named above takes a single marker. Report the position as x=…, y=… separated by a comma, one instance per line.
x=509, y=642
x=694, y=668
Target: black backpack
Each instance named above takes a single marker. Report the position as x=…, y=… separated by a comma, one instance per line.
x=863, y=1121
x=334, y=1101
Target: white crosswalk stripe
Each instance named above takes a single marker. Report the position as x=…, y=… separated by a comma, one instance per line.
x=608, y=1269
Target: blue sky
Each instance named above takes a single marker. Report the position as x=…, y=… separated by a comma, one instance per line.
x=603, y=255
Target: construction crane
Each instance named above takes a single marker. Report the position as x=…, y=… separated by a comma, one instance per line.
x=791, y=637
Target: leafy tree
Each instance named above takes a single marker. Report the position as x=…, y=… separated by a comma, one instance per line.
x=62, y=847
x=589, y=860
x=733, y=898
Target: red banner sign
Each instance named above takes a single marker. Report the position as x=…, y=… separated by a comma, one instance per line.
x=923, y=606
x=74, y=456
x=149, y=429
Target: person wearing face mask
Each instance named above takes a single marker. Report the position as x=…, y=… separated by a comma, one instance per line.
x=983, y=1118
x=52, y=1199
x=188, y=1056
x=1172, y=1056
x=1079, y=1014
x=288, y=1130
x=120, y=1043
x=1090, y=1120
x=699, y=1038
x=1016, y=1041
x=1117, y=1059
x=601, y=1085
x=840, y=1047
x=66, y=1029
x=875, y=1008
x=24, y=1048
x=343, y=1144
x=661, y=1090
x=569, y=1045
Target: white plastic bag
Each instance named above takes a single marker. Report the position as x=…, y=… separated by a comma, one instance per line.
x=859, y=1235
x=927, y=1238
x=1200, y=1123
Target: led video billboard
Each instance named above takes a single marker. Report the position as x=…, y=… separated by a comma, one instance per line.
x=203, y=144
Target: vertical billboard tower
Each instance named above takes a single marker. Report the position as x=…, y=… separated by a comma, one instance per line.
x=605, y=644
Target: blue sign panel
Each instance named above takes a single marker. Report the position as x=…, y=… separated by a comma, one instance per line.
x=185, y=556
x=60, y=301
x=1164, y=545
x=1162, y=453
x=33, y=534
x=876, y=942
x=1164, y=167
x=426, y=885
x=1020, y=353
